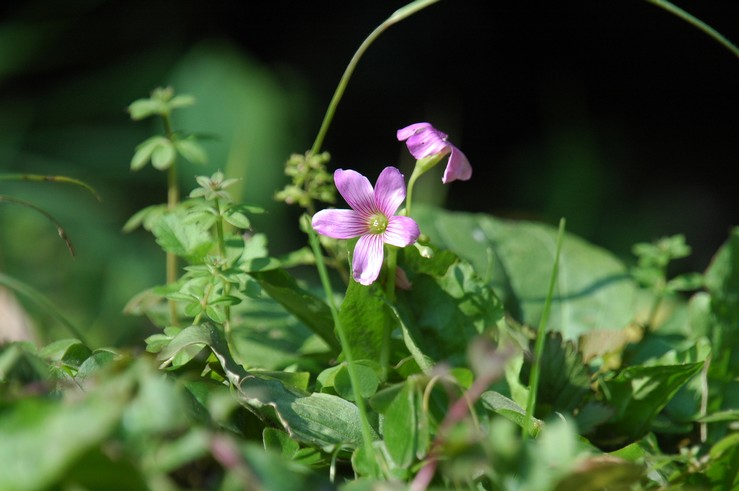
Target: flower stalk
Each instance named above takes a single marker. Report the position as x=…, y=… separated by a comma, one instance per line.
x=173, y=197
x=346, y=348
x=397, y=16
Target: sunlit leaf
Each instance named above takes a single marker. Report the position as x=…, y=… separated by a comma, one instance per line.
x=593, y=290
x=406, y=426
x=318, y=419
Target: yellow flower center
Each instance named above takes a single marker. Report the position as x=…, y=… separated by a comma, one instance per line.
x=377, y=223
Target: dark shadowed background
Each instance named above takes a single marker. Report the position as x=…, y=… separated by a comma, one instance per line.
x=615, y=115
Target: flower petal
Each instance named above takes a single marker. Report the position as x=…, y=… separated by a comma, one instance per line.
x=458, y=167
x=389, y=191
x=401, y=231
x=367, y=260
x=427, y=142
x=410, y=130
x=356, y=190
x=339, y=224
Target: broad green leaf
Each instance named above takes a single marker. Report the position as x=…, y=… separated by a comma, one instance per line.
x=410, y=337
x=723, y=466
x=638, y=394
x=184, y=239
x=368, y=379
x=316, y=419
x=71, y=352
x=95, y=362
x=199, y=337
x=367, y=322
x=279, y=441
x=722, y=282
x=405, y=426
x=325, y=379
x=447, y=305
x=309, y=309
x=500, y=404
x=297, y=380
x=593, y=289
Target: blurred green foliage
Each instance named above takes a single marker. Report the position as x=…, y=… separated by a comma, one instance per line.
x=75, y=124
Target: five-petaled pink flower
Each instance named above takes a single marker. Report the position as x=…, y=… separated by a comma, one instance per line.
x=423, y=140
x=372, y=219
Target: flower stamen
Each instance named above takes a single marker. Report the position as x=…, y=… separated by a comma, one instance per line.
x=377, y=223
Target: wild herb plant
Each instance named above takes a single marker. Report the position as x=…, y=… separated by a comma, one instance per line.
x=404, y=347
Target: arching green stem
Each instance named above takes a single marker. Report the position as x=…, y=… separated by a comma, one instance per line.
x=397, y=16
x=690, y=19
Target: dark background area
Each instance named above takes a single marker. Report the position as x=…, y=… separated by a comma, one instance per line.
x=617, y=116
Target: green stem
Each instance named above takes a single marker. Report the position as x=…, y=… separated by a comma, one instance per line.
x=323, y=273
x=422, y=166
x=45, y=178
x=411, y=184
x=173, y=197
x=392, y=264
x=541, y=335
x=59, y=229
x=392, y=261
x=677, y=11
x=222, y=251
x=219, y=230
x=397, y=16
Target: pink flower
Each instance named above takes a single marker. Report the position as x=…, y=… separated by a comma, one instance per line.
x=423, y=140
x=372, y=219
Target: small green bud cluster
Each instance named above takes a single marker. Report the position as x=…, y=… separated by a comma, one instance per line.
x=309, y=180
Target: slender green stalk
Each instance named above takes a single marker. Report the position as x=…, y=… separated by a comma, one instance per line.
x=397, y=16
x=345, y=346
x=422, y=166
x=59, y=229
x=222, y=251
x=173, y=197
x=45, y=178
x=43, y=302
x=690, y=19
x=654, y=310
x=409, y=194
x=392, y=264
x=541, y=335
